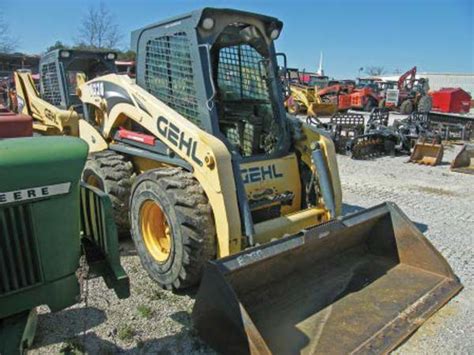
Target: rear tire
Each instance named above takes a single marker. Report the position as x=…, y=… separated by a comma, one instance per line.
x=425, y=104
x=113, y=174
x=192, y=234
x=406, y=107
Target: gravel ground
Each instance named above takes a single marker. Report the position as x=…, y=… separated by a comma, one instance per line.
x=156, y=321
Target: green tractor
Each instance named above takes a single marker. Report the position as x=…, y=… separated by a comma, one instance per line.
x=49, y=222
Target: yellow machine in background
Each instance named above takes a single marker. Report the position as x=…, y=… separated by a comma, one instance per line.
x=56, y=107
x=304, y=99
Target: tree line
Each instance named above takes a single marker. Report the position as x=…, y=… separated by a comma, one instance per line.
x=98, y=30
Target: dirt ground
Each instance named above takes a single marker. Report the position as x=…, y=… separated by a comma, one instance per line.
x=155, y=321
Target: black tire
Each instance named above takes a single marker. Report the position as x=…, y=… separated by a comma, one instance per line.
x=113, y=174
x=406, y=107
x=425, y=104
x=370, y=104
x=191, y=224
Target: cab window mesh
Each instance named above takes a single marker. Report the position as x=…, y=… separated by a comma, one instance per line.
x=169, y=74
x=239, y=74
x=50, y=84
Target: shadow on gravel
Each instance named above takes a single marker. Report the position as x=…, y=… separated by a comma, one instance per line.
x=421, y=226
x=59, y=326
x=184, y=342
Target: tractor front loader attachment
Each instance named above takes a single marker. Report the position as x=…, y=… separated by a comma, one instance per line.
x=464, y=161
x=427, y=153
x=359, y=284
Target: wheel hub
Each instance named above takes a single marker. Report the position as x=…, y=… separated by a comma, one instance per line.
x=155, y=231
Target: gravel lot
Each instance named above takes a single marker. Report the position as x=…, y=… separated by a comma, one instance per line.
x=155, y=321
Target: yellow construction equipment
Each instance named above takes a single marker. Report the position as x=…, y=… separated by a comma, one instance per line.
x=199, y=156
x=56, y=107
x=427, y=153
x=304, y=99
x=464, y=161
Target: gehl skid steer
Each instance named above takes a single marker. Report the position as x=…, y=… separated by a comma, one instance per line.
x=201, y=154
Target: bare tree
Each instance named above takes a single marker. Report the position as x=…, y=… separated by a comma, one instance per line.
x=98, y=29
x=374, y=70
x=7, y=41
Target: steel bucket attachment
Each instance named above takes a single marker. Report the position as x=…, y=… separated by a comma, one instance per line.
x=427, y=153
x=322, y=109
x=356, y=285
x=464, y=161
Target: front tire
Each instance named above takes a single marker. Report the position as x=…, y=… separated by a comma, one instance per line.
x=112, y=173
x=406, y=107
x=172, y=227
x=425, y=104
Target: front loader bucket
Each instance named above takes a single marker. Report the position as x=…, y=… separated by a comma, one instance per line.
x=427, y=154
x=360, y=284
x=322, y=109
x=464, y=161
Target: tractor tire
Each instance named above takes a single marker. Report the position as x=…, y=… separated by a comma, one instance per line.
x=425, y=104
x=370, y=104
x=113, y=174
x=172, y=227
x=406, y=107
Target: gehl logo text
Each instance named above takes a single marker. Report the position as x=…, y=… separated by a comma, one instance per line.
x=178, y=138
x=260, y=173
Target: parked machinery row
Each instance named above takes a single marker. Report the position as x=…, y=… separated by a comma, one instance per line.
x=415, y=135
x=408, y=94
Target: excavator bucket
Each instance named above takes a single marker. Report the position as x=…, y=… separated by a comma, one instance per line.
x=427, y=153
x=464, y=161
x=359, y=284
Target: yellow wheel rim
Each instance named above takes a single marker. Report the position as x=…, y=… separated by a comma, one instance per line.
x=155, y=231
x=94, y=181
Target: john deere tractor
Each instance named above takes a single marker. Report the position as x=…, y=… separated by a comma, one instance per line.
x=48, y=221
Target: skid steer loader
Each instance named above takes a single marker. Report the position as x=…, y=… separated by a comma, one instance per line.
x=56, y=108
x=304, y=99
x=206, y=164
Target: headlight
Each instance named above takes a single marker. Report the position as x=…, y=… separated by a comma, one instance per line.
x=65, y=54
x=208, y=23
x=111, y=56
x=275, y=33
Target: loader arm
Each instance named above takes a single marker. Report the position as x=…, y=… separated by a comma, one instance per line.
x=48, y=119
x=121, y=100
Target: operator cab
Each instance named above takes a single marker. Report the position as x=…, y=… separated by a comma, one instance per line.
x=62, y=71
x=246, y=105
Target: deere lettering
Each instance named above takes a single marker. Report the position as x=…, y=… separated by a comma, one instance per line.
x=178, y=138
x=34, y=193
x=260, y=173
